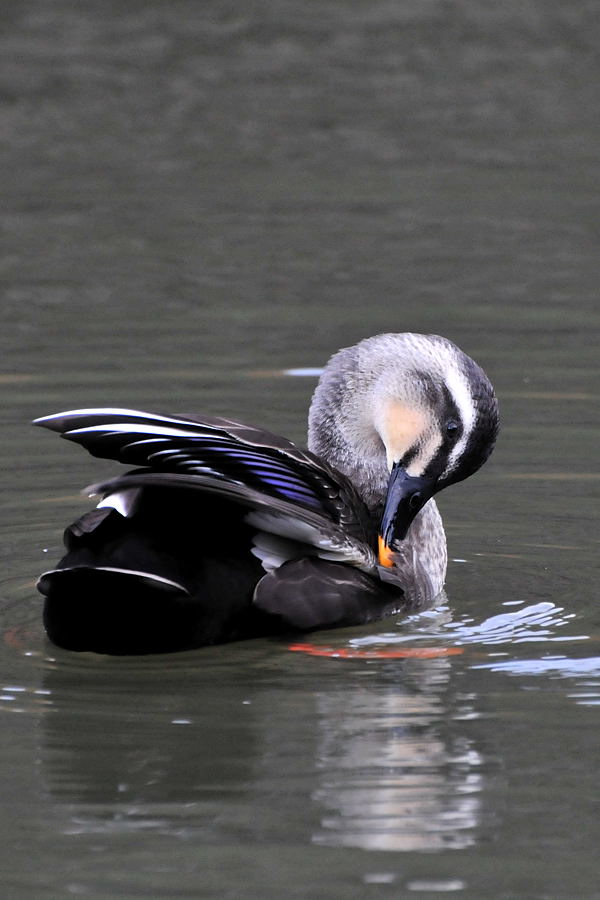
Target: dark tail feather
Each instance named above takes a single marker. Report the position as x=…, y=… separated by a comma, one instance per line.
x=114, y=592
x=158, y=582
x=117, y=612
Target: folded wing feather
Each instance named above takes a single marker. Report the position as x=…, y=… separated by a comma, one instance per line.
x=289, y=492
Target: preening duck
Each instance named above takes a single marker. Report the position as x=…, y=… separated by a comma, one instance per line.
x=224, y=531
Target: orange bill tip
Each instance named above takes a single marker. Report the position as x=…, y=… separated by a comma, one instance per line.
x=385, y=553
x=359, y=653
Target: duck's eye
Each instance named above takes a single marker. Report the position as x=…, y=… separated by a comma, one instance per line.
x=416, y=500
x=451, y=427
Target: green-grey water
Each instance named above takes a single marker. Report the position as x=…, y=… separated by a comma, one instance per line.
x=196, y=198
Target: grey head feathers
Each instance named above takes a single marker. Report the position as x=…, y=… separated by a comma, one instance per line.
x=410, y=399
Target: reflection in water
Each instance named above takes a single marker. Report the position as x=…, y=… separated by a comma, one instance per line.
x=542, y=623
x=134, y=761
x=394, y=779
x=375, y=753
x=376, y=760
x=389, y=777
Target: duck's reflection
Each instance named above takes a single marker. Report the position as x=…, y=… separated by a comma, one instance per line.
x=390, y=776
x=336, y=753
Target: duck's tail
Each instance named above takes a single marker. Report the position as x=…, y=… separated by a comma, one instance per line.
x=115, y=611
x=155, y=582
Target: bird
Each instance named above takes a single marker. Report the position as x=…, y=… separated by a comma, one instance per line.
x=223, y=531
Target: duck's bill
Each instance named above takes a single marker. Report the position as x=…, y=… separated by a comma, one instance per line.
x=406, y=495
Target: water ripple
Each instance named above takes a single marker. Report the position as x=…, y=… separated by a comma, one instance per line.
x=534, y=623
x=548, y=665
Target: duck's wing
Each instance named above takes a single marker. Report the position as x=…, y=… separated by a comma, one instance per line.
x=313, y=592
x=294, y=500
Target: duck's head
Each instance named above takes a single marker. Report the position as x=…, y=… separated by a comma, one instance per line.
x=403, y=416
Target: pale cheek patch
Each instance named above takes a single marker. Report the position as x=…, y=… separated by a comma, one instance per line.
x=400, y=428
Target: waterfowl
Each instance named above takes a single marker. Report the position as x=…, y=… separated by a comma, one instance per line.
x=224, y=531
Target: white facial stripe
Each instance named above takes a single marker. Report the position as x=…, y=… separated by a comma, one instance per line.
x=458, y=386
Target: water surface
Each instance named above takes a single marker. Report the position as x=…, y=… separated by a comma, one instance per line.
x=195, y=198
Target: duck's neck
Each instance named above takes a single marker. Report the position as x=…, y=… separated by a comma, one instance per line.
x=341, y=430
x=367, y=471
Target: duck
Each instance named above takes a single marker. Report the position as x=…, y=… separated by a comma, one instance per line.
x=223, y=531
